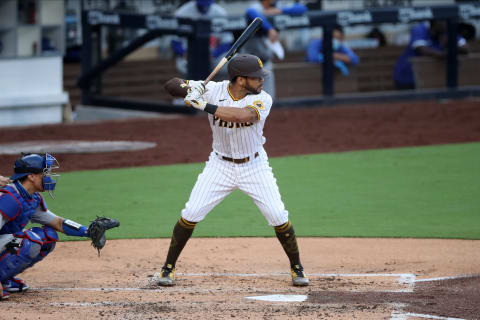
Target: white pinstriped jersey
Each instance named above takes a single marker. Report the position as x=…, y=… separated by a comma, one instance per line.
x=221, y=177
x=237, y=140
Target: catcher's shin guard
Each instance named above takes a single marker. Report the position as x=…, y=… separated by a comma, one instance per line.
x=13, y=263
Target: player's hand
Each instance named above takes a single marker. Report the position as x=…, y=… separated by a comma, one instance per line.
x=4, y=181
x=197, y=102
x=198, y=89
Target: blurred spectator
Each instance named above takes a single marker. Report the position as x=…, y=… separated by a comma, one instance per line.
x=426, y=39
x=376, y=33
x=116, y=37
x=467, y=30
x=342, y=54
x=264, y=44
x=219, y=42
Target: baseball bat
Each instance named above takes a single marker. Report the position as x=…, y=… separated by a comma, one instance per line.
x=247, y=34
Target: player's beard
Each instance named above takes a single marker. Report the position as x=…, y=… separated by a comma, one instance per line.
x=253, y=90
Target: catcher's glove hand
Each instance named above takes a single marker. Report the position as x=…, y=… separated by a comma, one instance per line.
x=96, y=231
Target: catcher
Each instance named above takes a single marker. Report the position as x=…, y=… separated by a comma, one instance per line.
x=21, y=203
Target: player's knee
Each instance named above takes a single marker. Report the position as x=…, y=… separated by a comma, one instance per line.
x=49, y=238
x=191, y=215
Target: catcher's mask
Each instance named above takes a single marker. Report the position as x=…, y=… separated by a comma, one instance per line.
x=33, y=163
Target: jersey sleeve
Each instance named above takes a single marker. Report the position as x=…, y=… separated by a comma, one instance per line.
x=262, y=106
x=43, y=217
x=9, y=206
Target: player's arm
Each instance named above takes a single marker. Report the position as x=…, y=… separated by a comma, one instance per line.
x=240, y=115
x=66, y=226
x=69, y=227
x=346, y=55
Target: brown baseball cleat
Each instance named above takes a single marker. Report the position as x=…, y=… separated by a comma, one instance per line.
x=167, y=276
x=299, y=278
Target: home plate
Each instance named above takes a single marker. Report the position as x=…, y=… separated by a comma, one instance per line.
x=281, y=298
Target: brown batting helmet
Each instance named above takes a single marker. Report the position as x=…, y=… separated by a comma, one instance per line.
x=246, y=65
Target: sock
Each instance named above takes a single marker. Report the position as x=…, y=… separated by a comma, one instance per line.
x=181, y=233
x=286, y=236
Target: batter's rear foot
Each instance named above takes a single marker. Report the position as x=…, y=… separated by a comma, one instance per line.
x=299, y=278
x=167, y=276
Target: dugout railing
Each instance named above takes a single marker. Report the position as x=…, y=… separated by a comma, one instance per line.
x=198, y=32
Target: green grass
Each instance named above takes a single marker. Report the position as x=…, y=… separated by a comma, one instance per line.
x=427, y=192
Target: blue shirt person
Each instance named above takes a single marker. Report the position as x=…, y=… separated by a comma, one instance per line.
x=220, y=42
x=261, y=44
x=426, y=39
x=342, y=54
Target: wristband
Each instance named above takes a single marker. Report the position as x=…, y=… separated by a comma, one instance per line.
x=211, y=108
x=71, y=228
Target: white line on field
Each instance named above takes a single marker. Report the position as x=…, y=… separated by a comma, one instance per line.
x=404, y=316
x=323, y=275
x=444, y=278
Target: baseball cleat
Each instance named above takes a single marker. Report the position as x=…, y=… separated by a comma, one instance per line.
x=167, y=276
x=15, y=285
x=299, y=278
x=4, y=294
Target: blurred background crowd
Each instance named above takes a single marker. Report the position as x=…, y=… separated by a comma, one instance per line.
x=367, y=58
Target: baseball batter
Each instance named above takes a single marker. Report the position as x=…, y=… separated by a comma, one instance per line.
x=237, y=111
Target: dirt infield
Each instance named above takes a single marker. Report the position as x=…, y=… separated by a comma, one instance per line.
x=225, y=278
x=350, y=279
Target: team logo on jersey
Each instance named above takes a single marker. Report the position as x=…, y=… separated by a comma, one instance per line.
x=258, y=104
x=226, y=124
x=260, y=63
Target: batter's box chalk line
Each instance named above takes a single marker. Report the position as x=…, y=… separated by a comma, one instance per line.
x=402, y=278
x=400, y=315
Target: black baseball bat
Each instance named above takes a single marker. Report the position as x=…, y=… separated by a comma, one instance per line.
x=247, y=34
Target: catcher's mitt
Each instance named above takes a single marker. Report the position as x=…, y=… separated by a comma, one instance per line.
x=96, y=231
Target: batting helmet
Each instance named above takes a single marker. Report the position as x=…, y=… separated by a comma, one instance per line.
x=246, y=65
x=33, y=163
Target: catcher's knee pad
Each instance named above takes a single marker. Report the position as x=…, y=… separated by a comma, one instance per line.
x=49, y=238
x=12, y=263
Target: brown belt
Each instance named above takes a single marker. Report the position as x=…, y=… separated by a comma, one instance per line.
x=243, y=160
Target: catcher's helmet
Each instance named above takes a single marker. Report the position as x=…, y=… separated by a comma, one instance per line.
x=32, y=163
x=246, y=65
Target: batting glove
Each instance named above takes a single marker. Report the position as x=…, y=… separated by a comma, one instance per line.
x=198, y=89
x=198, y=103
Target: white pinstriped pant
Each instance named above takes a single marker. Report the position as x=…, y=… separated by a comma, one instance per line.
x=220, y=178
